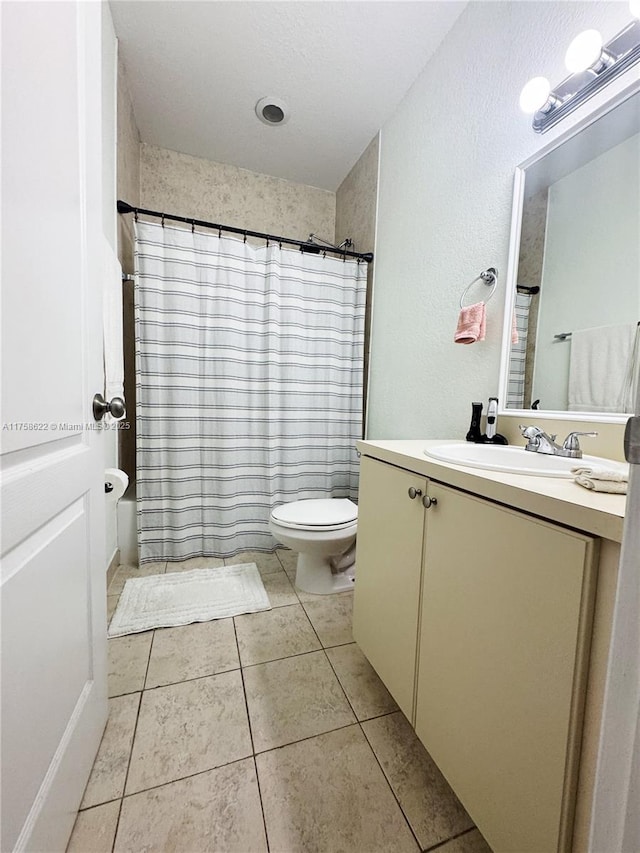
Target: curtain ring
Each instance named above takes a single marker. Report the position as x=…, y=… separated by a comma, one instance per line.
x=219, y=231
x=162, y=220
x=245, y=237
x=280, y=244
x=193, y=226
x=267, y=242
x=135, y=214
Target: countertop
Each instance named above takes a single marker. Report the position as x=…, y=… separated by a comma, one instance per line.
x=552, y=498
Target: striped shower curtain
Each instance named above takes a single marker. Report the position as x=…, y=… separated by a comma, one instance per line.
x=249, y=371
x=518, y=356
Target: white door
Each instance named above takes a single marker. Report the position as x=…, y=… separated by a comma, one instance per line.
x=54, y=702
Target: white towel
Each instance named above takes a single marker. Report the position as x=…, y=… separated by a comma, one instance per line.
x=601, y=478
x=601, y=359
x=112, y=324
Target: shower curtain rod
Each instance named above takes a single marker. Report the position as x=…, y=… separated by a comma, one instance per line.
x=124, y=207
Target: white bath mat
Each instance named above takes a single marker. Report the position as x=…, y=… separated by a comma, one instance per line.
x=180, y=598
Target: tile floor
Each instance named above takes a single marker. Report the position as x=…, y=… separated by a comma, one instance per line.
x=265, y=732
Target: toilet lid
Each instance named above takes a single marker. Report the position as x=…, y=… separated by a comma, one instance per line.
x=331, y=512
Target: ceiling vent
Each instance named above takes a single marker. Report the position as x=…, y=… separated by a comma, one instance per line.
x=272, y=110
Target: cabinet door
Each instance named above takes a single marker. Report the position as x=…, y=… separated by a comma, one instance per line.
x=506, y=611
x=388, y=568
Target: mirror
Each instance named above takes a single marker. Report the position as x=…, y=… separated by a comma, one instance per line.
x=574, y=273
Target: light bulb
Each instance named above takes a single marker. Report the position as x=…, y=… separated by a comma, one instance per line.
x=583, y=51
x=634, y=8
x=534, y=95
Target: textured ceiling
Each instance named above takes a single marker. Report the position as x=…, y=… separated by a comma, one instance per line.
x=197, y=69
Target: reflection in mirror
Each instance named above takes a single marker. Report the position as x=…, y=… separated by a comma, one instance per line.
x=577, y=300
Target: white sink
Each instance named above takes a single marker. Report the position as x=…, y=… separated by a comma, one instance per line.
x=515, y=460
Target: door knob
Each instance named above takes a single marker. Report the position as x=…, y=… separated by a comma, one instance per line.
x=428, y=502
x=100, y=407
x=414, y=493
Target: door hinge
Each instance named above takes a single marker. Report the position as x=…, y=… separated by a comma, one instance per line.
x=632, y=441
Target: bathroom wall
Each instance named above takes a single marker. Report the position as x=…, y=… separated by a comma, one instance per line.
x=190, y=186
x=356, y=202
x=128, y=188
x=128, y=174
x=444, y=208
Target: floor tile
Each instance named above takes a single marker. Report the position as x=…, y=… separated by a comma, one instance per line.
x=187, y=728
x=470, y=842
x=366, y=693
x=191, y=651
x=272, y=634
x=292, y=699
x=208, y=813
x=195, y=563
x=331, y=616
x=289, y=560
x=95, y=829
x=125, y=572
x=110, y=767
x=266, y=563
x=128, y=658
x=431, y=807
x=279, y=589
x=328, y=794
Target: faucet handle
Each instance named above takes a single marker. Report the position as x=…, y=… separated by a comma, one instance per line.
x=572, y=444
x=532, y=434
x=571, y=441
x=530, y=431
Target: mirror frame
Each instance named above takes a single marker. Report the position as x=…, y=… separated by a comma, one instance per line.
x=512, y=268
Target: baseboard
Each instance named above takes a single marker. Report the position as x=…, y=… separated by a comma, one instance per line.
x=113, y=566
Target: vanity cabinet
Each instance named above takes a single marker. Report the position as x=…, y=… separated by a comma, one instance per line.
x=478, y=620
x=503, y=645
x=386, y=604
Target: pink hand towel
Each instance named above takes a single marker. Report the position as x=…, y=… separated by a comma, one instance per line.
x=514, y=329
x=471, y=324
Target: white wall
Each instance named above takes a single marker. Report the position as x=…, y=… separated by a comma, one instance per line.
x=444, y=207
x=593, y=225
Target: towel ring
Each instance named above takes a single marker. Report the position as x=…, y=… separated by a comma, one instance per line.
x=489, y=277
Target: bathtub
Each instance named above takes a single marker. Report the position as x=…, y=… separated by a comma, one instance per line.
x=128, y=527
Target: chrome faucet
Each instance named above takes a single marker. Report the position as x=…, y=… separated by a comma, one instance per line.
x=539, y=442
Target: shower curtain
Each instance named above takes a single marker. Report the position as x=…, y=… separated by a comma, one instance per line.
x=249, y=372
x=518, y=356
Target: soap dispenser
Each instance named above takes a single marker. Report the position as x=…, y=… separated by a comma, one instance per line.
x=492, y=436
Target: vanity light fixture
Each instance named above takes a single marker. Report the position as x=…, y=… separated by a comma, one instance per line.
x=592, y=65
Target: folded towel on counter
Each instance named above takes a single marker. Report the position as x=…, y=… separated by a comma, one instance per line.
x=471, y=324
x=599, y=478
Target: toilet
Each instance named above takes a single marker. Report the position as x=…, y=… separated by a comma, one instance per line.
x=317, y=530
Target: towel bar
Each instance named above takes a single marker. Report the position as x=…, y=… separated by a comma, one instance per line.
x=489, y=277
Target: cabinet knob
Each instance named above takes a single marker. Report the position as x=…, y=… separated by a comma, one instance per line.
x=414, y=493
x=428, y=502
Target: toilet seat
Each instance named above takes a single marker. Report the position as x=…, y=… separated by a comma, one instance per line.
x=324, y=514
